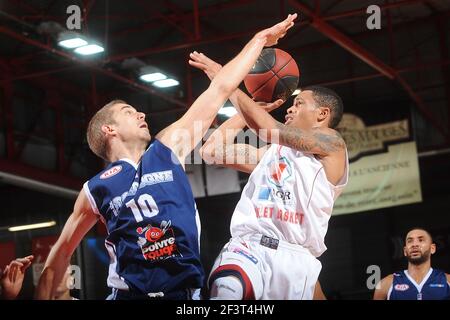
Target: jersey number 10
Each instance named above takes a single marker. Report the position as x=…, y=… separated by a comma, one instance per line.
x=145, y=204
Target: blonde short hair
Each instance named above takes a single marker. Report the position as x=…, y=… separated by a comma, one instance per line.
x=95, y=137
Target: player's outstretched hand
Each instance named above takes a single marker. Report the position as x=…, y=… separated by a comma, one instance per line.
x=202, y=62
x=278, y=31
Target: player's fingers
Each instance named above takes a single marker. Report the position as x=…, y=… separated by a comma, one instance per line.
x=206, y=58
x=26, y=265
x=13, y=273
x=287, y=21
x=274, y=105
x=196, y=64
x=10, y=274
x=278, y=102
x=200, y=58
x=16, y=264
x=25, y=259
x=292, y=17
x=193, y=56
x=6, y=270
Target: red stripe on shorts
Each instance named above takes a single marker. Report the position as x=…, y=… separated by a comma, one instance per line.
x=248, y=294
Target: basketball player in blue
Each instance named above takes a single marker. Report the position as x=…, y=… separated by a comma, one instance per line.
x=144, y=197
x=420, y=281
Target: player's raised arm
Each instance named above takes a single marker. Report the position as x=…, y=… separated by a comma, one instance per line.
x=79, y=223
x=320, y=140
x=182, y=137
x=220, y=148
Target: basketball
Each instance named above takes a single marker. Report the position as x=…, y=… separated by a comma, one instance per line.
x=274, y=76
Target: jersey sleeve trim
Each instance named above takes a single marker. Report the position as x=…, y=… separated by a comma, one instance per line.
x=93, y=204
x=390, y=291
x=344, y=180
x=91, y=199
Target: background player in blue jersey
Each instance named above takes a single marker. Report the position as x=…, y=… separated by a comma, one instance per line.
x=144, y=197
x=420, y=281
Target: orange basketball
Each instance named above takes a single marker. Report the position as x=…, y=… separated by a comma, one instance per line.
x=275, y=75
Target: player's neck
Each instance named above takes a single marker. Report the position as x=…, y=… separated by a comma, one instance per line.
x=132, y=151
x=418, y=272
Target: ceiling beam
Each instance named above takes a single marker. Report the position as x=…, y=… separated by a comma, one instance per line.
x=133, y=84
x=363, y=54
x=39, y=179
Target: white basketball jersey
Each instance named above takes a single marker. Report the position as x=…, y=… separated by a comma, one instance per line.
x=288, y=197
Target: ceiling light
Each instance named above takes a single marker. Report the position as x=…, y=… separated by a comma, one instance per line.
x=71, y=40
x=32, y=226
x=89, y=49
x=72, y=43
x=152, y=77
x=166, y=83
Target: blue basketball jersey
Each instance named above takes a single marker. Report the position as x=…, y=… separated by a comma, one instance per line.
x=434, y=286
x=152, y=221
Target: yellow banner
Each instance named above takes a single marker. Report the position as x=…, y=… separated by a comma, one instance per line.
x=385, y=179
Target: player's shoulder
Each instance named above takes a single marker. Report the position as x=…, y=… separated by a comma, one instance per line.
x=332, y=141
x=389, y=279
x=339, y=139
x=113, y=172
x=382, y=289
x=107, y=173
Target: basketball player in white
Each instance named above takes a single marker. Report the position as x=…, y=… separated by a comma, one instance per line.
x=279, y=224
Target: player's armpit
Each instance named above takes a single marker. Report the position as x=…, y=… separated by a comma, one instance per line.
x=183, y=135
x=319, y=141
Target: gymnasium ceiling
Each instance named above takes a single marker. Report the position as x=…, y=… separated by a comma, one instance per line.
x=47, y=93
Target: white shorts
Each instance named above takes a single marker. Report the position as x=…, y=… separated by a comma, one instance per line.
x=277, y=270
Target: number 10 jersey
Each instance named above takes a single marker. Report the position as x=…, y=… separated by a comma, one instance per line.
x=152, y=221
